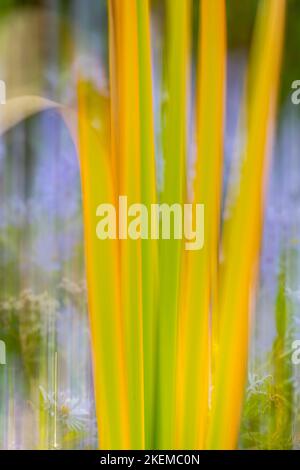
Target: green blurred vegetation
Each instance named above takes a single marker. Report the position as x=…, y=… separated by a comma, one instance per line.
x=241, y=17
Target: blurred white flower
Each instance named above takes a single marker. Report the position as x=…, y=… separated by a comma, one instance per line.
x=72, y=413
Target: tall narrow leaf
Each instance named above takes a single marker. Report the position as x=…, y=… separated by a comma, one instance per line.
x=124, y=59
x=243, y=230
x=148, y=197
x=199, y=281
x=174, y=149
